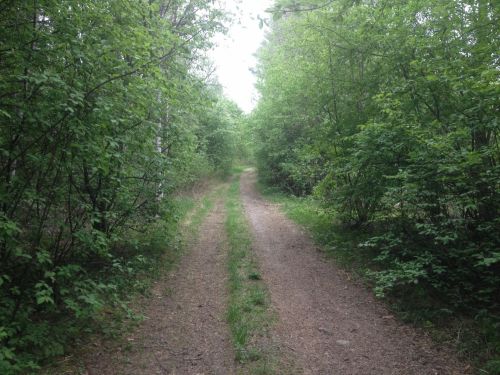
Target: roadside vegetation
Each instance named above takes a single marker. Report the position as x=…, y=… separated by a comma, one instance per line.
x=386, y=115
x=475, y=339
x=165, y=243
x=248, y=314
x=106, y=112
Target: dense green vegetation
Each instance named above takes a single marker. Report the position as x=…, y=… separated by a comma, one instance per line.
x=387, y=113
x=105, y=111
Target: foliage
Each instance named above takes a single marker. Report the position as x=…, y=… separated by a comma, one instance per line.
x=103, y=115
x=388, y=113
x=221, y=133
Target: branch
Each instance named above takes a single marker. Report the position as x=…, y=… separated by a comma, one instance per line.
x=159, y=59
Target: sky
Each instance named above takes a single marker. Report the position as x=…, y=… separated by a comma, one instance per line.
x=233, y=55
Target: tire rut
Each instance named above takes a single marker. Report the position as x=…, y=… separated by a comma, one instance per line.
x=332, y=325
x=185, y=330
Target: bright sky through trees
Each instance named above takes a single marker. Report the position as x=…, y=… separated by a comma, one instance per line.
x=233, y=56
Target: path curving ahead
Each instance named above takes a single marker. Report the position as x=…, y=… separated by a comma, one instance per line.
x=331, y=325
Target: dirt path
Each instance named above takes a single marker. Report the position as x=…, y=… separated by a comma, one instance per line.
x=185, y=331
x=331, y=325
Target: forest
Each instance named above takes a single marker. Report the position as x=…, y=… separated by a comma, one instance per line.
x=105, y=111
x=383, y=115
x=388, y=114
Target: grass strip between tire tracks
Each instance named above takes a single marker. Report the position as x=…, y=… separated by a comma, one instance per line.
x=248, y=315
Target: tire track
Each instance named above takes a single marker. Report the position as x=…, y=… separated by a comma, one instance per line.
x=185, y=330
x=331, y=325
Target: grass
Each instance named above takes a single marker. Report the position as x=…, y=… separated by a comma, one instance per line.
x=249, y=316
x=475, y=339
x=193, y=221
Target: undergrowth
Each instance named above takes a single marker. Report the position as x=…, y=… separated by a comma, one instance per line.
x=160, y=246
x=475, y=337
x=248, y=313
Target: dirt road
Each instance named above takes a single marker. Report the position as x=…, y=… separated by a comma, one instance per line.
x=332, y=326
x=326, y=325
